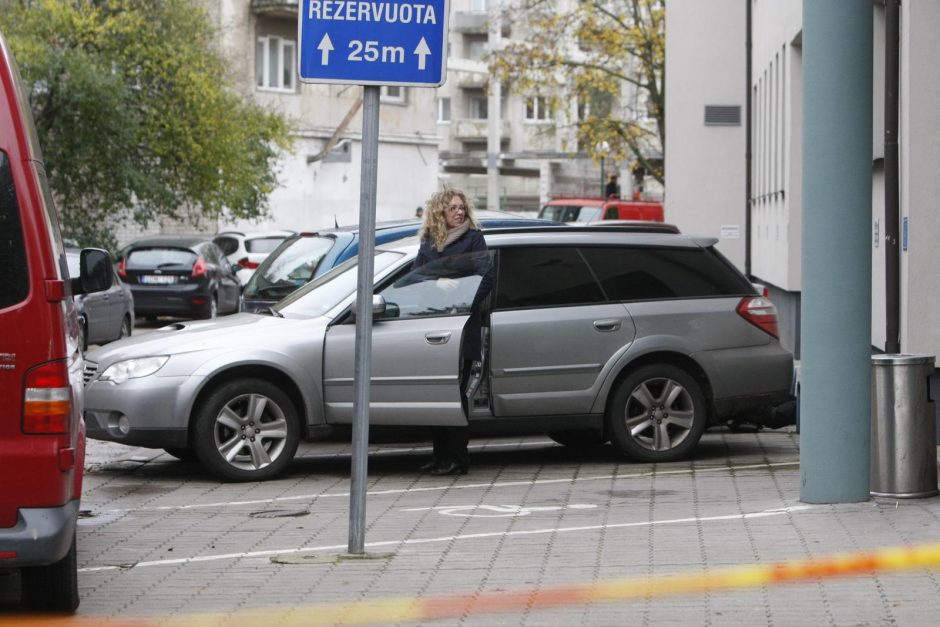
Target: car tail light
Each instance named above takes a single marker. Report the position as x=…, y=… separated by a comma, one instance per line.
x=244, y=262
x=199, y=268
x=760, y=312
x=47, y=401
x=122, y=268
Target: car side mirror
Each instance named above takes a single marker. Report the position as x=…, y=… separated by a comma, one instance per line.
x=95, y=272
x=379, y=307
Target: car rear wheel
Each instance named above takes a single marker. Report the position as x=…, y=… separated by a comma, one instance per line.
x=126, y=327
x=52, y=588
x=657, y=414
x=83, y=332
x=212, y=308
x=246, y=430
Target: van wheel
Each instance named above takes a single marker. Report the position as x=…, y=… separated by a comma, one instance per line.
x=53, y=588
x=657, y=414
x=246, y=430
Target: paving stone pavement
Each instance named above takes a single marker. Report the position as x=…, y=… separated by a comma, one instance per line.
x=162, y=541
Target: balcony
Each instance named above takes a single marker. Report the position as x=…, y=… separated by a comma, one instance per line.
x=275, y=8
x=469, y=22
x=466, y=129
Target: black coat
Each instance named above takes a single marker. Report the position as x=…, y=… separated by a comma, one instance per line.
x=471, y=241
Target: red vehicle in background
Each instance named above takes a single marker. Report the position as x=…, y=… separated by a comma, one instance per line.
x=42, y=436
x=575, y=210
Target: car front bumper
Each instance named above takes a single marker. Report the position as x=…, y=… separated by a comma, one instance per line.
x=150, y=411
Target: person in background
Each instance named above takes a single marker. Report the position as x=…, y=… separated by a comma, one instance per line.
x=448, y=229
x=612, y=189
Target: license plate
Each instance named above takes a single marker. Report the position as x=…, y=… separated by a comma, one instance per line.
x=157, y=279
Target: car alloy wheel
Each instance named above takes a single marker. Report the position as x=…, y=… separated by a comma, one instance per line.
x=246, y=430
x=657, y=414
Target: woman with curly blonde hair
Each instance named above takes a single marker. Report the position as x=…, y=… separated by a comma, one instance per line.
x=448, y=229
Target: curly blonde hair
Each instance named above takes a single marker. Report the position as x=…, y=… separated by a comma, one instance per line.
x=433, y=224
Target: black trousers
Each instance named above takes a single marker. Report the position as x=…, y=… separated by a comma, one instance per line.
x=450, y=443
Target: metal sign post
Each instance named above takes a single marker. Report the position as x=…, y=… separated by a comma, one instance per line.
x=386, y=42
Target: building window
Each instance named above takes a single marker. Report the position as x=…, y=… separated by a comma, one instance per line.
x=274, y=63
x=475, y=48
x=478, y=6
x=393, y=94
x=477, y=105
x=443, y=110
x=537, y=109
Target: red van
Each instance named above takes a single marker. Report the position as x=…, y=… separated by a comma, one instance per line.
x=586, y=209
x=42, y=436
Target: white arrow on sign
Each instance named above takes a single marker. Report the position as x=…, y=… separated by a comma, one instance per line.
x=325, y=46
x=422, y=51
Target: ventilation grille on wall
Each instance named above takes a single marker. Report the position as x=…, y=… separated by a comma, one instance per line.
x=722, y=115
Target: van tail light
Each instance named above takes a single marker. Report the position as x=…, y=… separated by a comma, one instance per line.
x=122, y=268
x=199, y=268
x=760, y=312
x=47, y=401
x=244, y=262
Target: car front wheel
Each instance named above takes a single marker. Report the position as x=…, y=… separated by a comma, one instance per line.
x=657, y=414
x=246, y=430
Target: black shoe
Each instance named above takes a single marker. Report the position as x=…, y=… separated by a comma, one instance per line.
x=431, y=465
x=449, y=468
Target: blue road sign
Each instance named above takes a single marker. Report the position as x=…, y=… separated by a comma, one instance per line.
x=373, y=42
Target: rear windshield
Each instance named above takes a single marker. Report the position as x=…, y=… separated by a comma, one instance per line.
x=147, y=258
x=294, y=265
x=262, y=244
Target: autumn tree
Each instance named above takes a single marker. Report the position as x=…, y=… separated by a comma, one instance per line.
x=134, y=115
x=608, y=56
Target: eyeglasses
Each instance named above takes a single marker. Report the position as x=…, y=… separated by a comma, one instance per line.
x=456, y=208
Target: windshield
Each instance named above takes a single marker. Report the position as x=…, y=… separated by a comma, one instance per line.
x=286, y=269
x=570, y=213
x=330, y=289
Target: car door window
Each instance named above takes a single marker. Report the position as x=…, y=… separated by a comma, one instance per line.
x=544, y=276
x=647, y=273
x=443, y=287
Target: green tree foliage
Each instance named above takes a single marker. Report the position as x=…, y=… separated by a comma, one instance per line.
x=134, y=115
x=587, y=55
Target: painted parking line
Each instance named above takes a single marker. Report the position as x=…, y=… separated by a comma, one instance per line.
x=494, y=511
x=392, y=544
x=458, y=486
x=410, y=609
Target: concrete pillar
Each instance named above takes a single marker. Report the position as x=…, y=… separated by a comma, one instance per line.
x=835, y=410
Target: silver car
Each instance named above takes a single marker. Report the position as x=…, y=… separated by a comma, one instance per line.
x=644, y=339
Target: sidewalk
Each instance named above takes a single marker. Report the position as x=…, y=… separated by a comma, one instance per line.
x=164, y=543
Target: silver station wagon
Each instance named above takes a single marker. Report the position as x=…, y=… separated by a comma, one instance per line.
x=590, y=334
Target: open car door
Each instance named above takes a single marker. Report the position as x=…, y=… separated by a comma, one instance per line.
x=416, y=347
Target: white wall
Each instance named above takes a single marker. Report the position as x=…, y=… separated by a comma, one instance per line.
x=920, y=175
x=705, y=173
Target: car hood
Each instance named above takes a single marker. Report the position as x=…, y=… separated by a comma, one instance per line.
x=228, y=333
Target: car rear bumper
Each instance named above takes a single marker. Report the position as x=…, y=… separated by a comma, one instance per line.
x=163, y=300
x=41, y=536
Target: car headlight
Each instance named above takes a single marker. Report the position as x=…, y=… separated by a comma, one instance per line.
x=121, y=371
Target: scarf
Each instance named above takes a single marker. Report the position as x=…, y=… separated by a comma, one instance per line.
x=453, y=235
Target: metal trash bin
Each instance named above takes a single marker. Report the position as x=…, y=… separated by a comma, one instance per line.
x=903, y=427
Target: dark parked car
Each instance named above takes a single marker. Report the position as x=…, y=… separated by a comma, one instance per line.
x=305, y=256
x=186, y=276
x=102, y=316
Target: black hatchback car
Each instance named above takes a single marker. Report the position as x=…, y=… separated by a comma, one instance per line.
x=185, y=276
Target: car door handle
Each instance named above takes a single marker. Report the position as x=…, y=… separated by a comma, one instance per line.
x=607, y=325
x=437, y=338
